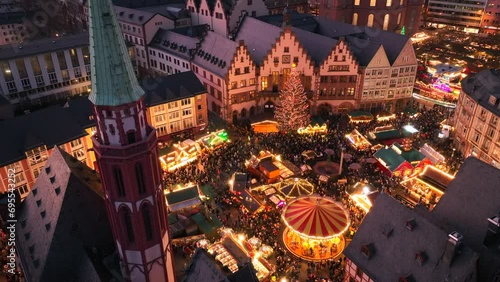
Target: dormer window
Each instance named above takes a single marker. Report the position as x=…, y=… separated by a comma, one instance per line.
x=421, y=257
x=411, y=224
x=492, y=100
x=368, y=250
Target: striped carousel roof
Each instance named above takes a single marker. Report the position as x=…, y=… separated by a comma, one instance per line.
x=316, y=217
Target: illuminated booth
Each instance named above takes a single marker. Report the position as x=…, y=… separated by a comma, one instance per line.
x=214, y=139
x=358, y=141
x=184, y=153
x=313, y=129
x=314, y=227
x=266, y=126
x=360, y=116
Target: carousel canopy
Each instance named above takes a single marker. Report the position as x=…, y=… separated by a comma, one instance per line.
x=316, y=217
x=295, y=187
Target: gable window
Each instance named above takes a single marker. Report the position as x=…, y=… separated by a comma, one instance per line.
x=287, y=50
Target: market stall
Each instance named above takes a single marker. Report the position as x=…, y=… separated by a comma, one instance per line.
x=313, y=129
x=183, y=153
x=314, y=227
x=427, y=187
x=214, y=139
x=358, y=141
x=270, y=167
x=266, y=126
x=235, y=250
x=360, y=116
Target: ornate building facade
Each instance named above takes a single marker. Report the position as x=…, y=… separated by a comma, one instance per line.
x=342, y=67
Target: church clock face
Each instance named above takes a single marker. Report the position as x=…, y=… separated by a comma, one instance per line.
x=286, y=59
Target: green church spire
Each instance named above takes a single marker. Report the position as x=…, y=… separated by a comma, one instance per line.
x=113, y=78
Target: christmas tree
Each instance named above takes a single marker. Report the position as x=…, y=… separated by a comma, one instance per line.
x=294, y=110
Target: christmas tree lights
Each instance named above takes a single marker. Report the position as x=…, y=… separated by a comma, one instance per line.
x=293, y=113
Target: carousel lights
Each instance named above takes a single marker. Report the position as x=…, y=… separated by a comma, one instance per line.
x=348, y=223
x=321, y=238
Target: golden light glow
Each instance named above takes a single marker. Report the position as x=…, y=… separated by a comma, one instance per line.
x=361, y=201
x=313, y=129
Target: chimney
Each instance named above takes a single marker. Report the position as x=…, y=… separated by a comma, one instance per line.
x=452, y=247
x=493, y=232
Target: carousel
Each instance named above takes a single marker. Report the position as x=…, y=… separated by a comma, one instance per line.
x=314, y=227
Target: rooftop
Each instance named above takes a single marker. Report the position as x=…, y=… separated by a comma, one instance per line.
x=178, y=44
x=393, y=242
x=216, y=53
x=63, y=217
x=467, y=202
x=481, y=87
x=42, y=46
x=12, y=18
x=37, y=129
x=259, y=37
x=173, y=87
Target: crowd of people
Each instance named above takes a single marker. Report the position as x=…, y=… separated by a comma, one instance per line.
x=214, y=167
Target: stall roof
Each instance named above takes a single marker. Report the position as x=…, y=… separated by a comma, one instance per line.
x=268, y=165
x=232, y=247
x=179, y=196
x=206, y=225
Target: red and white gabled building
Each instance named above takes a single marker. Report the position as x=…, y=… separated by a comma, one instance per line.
x=127, y=155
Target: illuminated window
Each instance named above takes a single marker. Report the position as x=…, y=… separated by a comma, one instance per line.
x=373, y=3
x=370, y=20
x=356, y=2
x=264, y=82
x=388, y=3
x=355, y=19
x=386, y=22
x=399, y=18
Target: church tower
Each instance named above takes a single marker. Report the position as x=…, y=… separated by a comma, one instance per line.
x=127, y=155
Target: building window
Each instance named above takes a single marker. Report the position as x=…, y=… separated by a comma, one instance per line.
x=373, y=3
x=356, y=2
x=386, y=22
x=399, y=18
x=119, y=181
x=128, y=226
x=251, y=81
x=370, y=20
x=355, y=18
x=139, y=176
x=234, y=84
x=388, y=3
x=287, y=50
x=264, y=83
x=146, y=217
